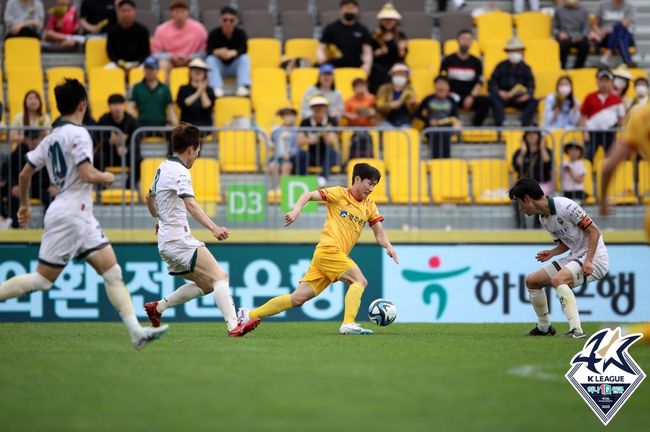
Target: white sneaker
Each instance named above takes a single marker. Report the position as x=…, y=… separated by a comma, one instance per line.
x=242, y=91
x=354, y=329
x=322, y=182
x=242, y=315
x=218, y=92
x=150, y=334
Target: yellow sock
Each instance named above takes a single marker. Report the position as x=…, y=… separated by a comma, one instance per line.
x=352, y=303
x=274, y=306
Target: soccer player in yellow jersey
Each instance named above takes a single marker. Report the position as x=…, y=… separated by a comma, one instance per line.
x=348, y=211
x=636, y=138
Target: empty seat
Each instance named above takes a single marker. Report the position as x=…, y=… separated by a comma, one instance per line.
x=101, y=84
x=300, y=80
x=533, y=26
x=250, y=5
x=400, y=145
x=584, y=82
x=19, y=82
x=301, y=48
x=423, y=54
x=258, y=24
x=264, y=53
x=408, y=182
x=621, y=188
x=228, y=108
x=449, y=181
x=545, y=81
x=95, y=53
x=297, y=24
x=542, y=54
x=416, y=25
x=291, y=5
x=493, y=26
x=422, y=82
x=451, y=47
x=22, y=53
x=343, y=78
x=178, y=77
x=490, y=181
x=56, y=76
x=265, y=112
x=268, y=83
x=493, y=54
x=238, y=151
x=453, y=22
x=206, y=180
x=379, y=193
x=644, y=181
x=118, y=196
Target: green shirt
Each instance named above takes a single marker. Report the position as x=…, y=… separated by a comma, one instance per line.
x=151, y=104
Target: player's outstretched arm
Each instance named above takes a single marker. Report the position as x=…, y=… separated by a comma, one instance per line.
x=89, y=174
x=382, y=240
x=195, y=210
x=291, y=217
x=619, y=153
x=24, y=185
x=545, y=255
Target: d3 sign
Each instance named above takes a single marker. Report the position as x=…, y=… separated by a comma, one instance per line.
x=246, y=203
x=293, y=187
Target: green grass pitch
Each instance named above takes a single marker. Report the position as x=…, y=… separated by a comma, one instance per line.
x=297, y=377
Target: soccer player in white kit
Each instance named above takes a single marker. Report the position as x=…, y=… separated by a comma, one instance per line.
x=572, y=230
x=169, y=200
x=71, y=230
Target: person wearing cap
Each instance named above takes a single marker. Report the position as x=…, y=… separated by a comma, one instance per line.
x=24, y=18
x=325, y=86
x=561, y=108
x=439, y=110
x=112, y=149
x=227, y=54
x=389, y=45
x=283, y=146
x=127, y=42
x=346, y=42
x=574, y=172
x=465, y=74
x=611, y=29
x=152, y=99
x=513, y=85
x=317, y=145
x=96, y=16
x=396, y=100
x=600, y=111
x=571, y=30
x=196, y=98
x=179, y=40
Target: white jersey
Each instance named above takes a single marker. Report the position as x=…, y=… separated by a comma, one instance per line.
x=567, y=223
x=62, y=152
x=171, y=184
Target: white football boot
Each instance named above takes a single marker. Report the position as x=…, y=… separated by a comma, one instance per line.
x=354, y=329
x=149, y=334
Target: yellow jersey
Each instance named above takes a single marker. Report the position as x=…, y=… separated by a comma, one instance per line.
x=346, y=217
x=636, y=135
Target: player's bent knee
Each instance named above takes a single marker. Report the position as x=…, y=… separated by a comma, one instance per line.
x=557, y=280
x=113, y=276
x=41, y=283
x=532, y=282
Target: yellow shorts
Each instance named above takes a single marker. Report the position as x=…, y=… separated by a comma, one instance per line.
x=327, y=266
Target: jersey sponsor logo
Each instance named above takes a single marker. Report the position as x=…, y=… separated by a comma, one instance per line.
x=604, y=373
x=352, y=217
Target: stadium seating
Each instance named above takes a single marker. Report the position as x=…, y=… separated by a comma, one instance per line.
x=542, y=54
x=238, y=151
x=449, y=181
x=55, y=76
x=117, y=196
x=584, y=82
x=101, y=84
x=644, y=181
x=206, y=180
x=417, y=24
x=148, y=168
x=19, y=82
x=268, y=83
x=299, y=81
x=22, y=53
x=227, y=108
x=621, y=188
x=258, y=23
x=423, y=54
x=297, y=24
x=451, y=47
x=301, y=48
x=422, y=82
x=452, y=23
x=545, y=82
x=408, y=183
x=400, y=145
x=264, y=53
x=493, y=54
x=533, y=26
x=493, y=27
x=346, y=138
x=137, y=74
x=265, y=112
x=96, y=56
x=379, y=193
x=490, y=182
x=343, y=78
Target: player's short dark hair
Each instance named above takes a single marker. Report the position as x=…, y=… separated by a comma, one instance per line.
x=348, y=2
x=69, y=95
x=126, y=2
x=366, y=171
x=526, y=186
x=185, y=135
x=464, y=31
x=228, y=10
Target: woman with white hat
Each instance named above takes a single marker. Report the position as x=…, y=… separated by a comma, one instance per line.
x=389, y=45
x=196, y=98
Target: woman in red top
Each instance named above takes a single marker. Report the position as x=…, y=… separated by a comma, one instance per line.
x=62, y=26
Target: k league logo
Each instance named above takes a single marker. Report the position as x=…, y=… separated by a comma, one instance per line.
x=604, y=373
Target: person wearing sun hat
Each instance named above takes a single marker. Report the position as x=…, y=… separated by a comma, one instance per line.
x=389, y=46
x=196, y=98
x=513, y=85
x=622, y=80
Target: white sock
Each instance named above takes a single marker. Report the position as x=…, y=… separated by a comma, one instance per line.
x=182, y=295
x=223, y=299
x=540, y=304
x=121, y=300
x=22, y=284
x=569, y=306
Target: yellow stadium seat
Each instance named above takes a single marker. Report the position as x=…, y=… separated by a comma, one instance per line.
x=451, y=47
x=22, y=53
x=268, y=83
x=346, y=139
x=512, y=138
x=18, y=84
x=137, y=74
x=300, y=80
x=584, y=82
x=343, y=78
x=379, y=193
x=449, y=181
x=206, y=180
x=493, y=26
x=178, y=77
x=227, y=108
x=400, y=145
x=238, y=151
x=148, y=168
x=621, y=188
x=55, y=76
x=116, y=196
x=542, y=54
x=301, y=48
x=2, y=98
x=265, y=112
x=408, y=184
x=264, y=53
x=490, y=181
x=644, y=181
x=493, y=54
x=545, y=81
x=96, y=56
x=423, y=54
x=101, y=84
x=533, y=26
x=422, y=82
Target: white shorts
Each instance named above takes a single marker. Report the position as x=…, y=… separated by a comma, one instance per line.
x=574, y=264
x=180, y=254
x=68, y=237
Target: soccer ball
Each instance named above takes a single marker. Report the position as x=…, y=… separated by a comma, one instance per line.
x=382, y=312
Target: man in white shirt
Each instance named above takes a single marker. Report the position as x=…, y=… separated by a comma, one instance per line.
x=572, y=230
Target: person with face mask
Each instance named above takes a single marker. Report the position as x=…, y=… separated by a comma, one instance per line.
x=513, y=85
x=389, y=46
x=465, y=75
x=561, y=109
x=571, y=30
x=346, y=42
x=641, y=89
x=396, y=100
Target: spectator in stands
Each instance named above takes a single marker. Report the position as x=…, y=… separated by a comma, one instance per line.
x=519, y=6
x=196, y=98
x=127, y=44
x=622, y=80
x=641, y=88
x=61, y=28
x=346, y=42
x=283, y=147
x=561, y=109
x=317, y=146
x=325, y=87
x=151, y=99
x=574, y=172
x=513, y=85
x=396, y=100
x=227, y=47
x=112, y=149
x=24, y=18
x=571, y=29
x=465, y=74
x=33, y=114
x=177, y=41
x=442, y=4
x=389, y=46
x=611, y=30
x=600, y=111
x=97, y=16
x=360, y=111
x=535, y=160
x=439, y=110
